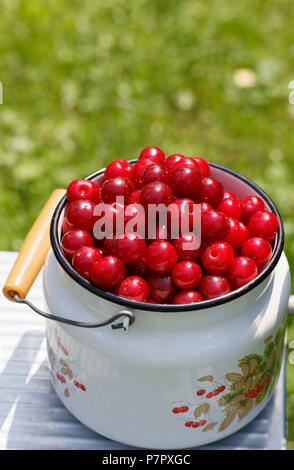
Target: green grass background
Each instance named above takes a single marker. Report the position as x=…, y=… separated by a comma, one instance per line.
x=85, y=82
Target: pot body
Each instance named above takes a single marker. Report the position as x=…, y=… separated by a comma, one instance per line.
x=175, y=379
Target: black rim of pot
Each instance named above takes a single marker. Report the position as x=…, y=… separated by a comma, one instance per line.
x=277, y=251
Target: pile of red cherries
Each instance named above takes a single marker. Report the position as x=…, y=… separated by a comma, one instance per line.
x=237, y=236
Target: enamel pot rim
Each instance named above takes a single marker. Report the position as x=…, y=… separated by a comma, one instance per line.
x=277, y=251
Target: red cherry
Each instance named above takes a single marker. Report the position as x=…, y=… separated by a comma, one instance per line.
x=230, y=207
x=134, y=288
x=161, y=256
x=188, y=424
x=200, y=392
x=187, y=247
x=186, y=274
x=237, y=234
x=138, y=170
x=139, y=268
x=161, y=232
x=212, y=191
x=101, y=250
x=154, y=172
x=75, y=239
x=205, y=207
x=188, y=296
x=134, y=198
x=229, y=194
x=187, y=162
x=113, y=216
x=117, y=187
x=162, y=288
x=83, y=259
x=204, y=167
x=214, y=225
x=186, y=181
x=258, y=249
x=107, y=273
x=80, y=214
x=153, y=153
x=156, y=193
x=214, y=285
x=82, y=387
x=172, y=160
x=117, y=215
x=83, y=189
x=116, y=210
x=250, y=205
x=66, y=226
x=243, y=269
x=130, y=249
x=263, y=224
x=108, y=245
x=118, y=168
x=217, y=257
x=181, y=215
x=136, y=214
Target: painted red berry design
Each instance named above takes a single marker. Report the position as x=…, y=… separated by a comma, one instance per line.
x=195, y=424
x=60, y=378
x=175, y=410
x=184, y=409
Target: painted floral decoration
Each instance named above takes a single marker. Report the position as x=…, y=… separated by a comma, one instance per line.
x=237, y=393
x=64, y=368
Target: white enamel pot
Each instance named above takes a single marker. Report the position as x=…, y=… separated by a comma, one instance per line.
x=165, y=376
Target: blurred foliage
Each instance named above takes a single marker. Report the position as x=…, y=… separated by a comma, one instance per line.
x=86, y=82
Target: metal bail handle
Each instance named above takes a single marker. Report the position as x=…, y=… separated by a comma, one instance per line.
x=30, y=260
x=128, y=316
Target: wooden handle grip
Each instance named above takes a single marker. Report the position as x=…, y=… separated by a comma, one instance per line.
x=33, y=252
